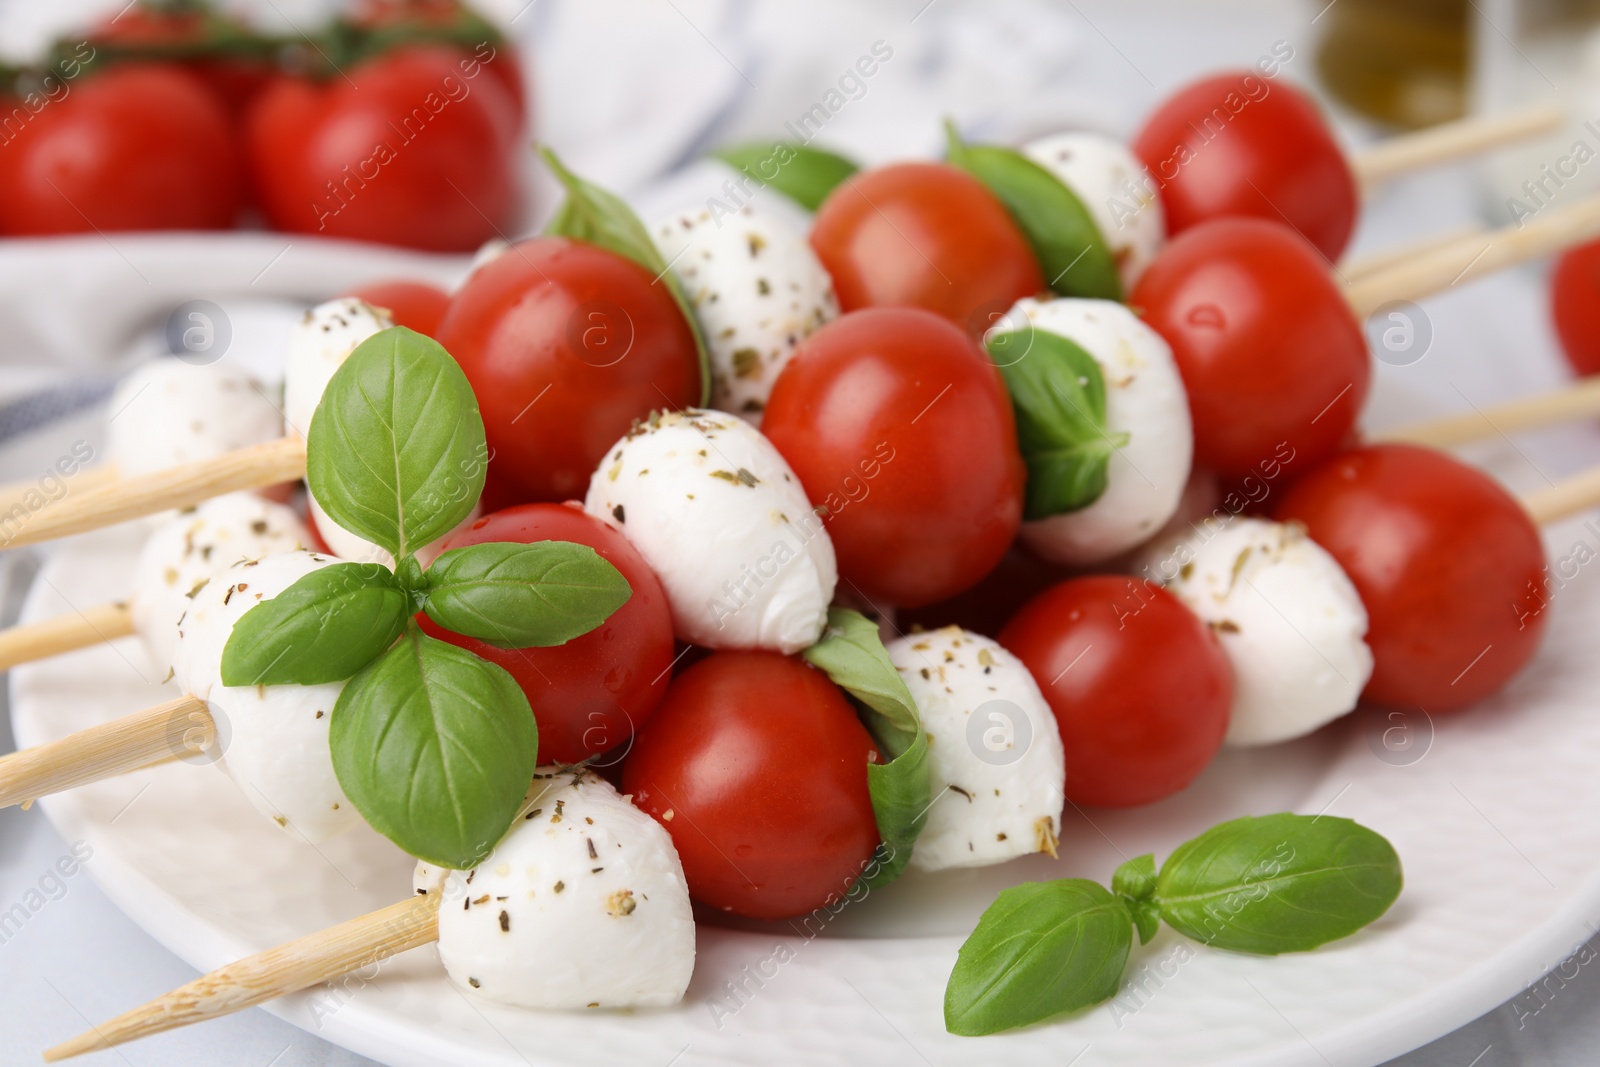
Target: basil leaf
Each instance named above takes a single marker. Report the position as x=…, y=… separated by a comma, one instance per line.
x=1059, y=395
x=600, y=217
x=851, y=653
x=323, y=628
x=1279, y=883
x=435, y=747
x=805, y=175
x=396, y=449
x=523, y=596
x=1070, y=248
x=1135, y=883
x=1040, y=949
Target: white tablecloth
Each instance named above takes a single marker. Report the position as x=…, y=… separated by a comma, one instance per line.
x=632, y=92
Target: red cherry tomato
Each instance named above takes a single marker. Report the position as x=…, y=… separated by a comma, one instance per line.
x=1575, y=305
x=1449, y=566
x=566, y=344
x=769, y=812
x=142, y=28
x=133, y=147
x=924, y=235
x=1238, y=145
x=403, y=149
x=590, y=694
x=411, y=304
x=1140, y=687
x=1269, y=349
x=900, y=426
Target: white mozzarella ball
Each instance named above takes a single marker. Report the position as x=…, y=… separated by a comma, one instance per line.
x=998, y=767
x=1145, y=400
x=583, y=904
x=193, y=546
x=757, y=289
x=169, y=413
x=275, y=746
x=1288, y=617
x=723, y=521
x=204, y=630
x=319, y=345
x=357, y=549
x=1116, y=190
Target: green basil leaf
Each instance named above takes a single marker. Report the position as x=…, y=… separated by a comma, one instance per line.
x=523, y=596
x=600, y=217
x=1059, y=395
x=435, y=747
x=396, y=452
x=1071, y=250
x=323, y=628
x=1135, y=883
x=851, y=653
x=1040, y=949
x=803, y=174
x=1278, y=883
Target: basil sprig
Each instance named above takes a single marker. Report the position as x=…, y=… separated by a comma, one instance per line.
x=1279, y=883
x=602, y=218
x=1071, y=250
x=433, y=745
x=805, y=175
x=851, y=653
x=1059, y=395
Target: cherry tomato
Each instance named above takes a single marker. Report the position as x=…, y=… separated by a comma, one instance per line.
x=901, y=428
x=1449, y=566
x=404, y=149
x=1140, y=687
x=411, y=304
x=924, y=235
x=1240, y=146
x=590, y=694
x=144, y=28
x=757, y=766
x=450, y=19
x=1270, y=352
x=566, y=344
x=133, y=147
x=1575, y=305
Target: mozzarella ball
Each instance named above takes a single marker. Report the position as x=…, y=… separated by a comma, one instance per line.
x=1146, y=401
x=1115, y=188
x=275, y=746
x=194, y=545
x=583, y=904
x=757, y=289
x=998, y=768
x=319, y=345
x=204, y=630
x=169, y=413
x=723, y=521
x=357, y=549
x=1288, y=617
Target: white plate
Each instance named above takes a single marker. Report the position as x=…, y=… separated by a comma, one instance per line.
x=1496, y=824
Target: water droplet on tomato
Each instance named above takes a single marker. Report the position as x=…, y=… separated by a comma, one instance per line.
x=1209, y=316
x=608, y=634
x=616, y=678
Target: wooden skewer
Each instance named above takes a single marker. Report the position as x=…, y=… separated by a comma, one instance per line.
x=106, y=750
x=277, y=461
x=1580, y=400
x=1455, y=237
x=315, y=958
x=1568, y=497
x=18, y=493
x=1551, y=230
x=1452, y=141
x=40, y=640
